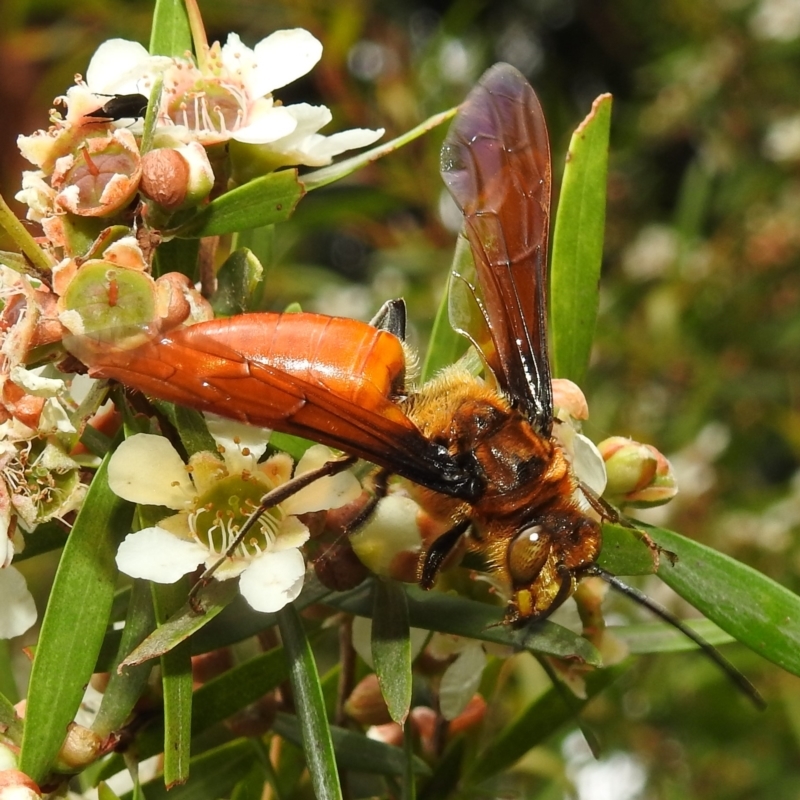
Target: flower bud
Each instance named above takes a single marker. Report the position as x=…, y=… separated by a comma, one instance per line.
x=389, y=537
x=568, y=397
x=81, y=748
x=177, y=177
x=16, y=785
x=638, y=474
x=366, y=704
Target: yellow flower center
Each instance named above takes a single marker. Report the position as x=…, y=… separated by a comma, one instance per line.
x=223, y=510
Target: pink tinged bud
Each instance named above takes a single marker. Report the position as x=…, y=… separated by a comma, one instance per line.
x=16, y=785
x=366, y=704
x=568, y=397
x=100, y=177
x=638, y=474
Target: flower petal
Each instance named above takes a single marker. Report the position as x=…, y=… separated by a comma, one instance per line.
x=234, y=437
x=460, y=680
x=266, y=124
x=112, y=62
x=333, y=491
x=17, y=611
x=147, y=469
x=321, y=149
x=273, y=580
x=588, y=464
x=292, y=534
x=157, y=555
x=283, y=57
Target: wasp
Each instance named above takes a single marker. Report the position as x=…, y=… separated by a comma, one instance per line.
x=479, y=455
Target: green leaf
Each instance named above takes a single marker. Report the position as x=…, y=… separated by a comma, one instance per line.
x=176, y=682
x=659, y=637
x=534, y=724
x=10, y=724
x=310, y=704
x=49, y=536
x=213, y=774
x=625, y=552
x=335, y=172
x=170, y=34
x=578, y=244
x=435, y=611
x=74, y=623
x=245, y=683
x=215, y=701
x=391, y=647
x=354, y=751
x=184, y=622
x=748, y=605
x=105, y=792
x=177, y=255
x=263, y=201
x=191, y=427
x=124, y=690
x=23, y=239
x=237, y=280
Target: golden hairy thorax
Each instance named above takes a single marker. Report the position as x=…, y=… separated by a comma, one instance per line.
x=525, y=523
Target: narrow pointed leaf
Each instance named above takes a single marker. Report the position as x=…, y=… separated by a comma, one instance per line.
x=184, y=622
x=10, y=724
x=391, y=647
x=263, y=201
x=191, y=427
x=326, y=175
x=176, y=682
x=578, y=244
x=533, y=725
x=625, y=552
x=748, y=605
x=214, y=772
x=354, y=751
x=237, y=280
x=435, y=611
x=124, y=690
x=74, y=623
x=170, y=34
x=310, y=704
x=658, y=637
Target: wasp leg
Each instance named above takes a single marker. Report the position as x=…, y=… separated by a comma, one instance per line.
x=380, y=486
x=433, y=559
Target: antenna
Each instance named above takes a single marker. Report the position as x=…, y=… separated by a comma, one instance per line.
x=733, y=674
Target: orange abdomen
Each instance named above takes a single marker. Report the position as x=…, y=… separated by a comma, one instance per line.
x=350, y=358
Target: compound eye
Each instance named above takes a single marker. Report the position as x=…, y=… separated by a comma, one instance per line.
x=528, y=554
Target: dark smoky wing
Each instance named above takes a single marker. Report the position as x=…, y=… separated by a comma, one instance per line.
x=496, y=164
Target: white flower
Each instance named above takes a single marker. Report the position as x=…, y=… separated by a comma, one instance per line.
x=228, y=95
x=303, y=145
x=214, y=498
x=17, y=611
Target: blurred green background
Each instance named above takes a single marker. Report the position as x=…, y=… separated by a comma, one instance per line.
x=698, y=341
